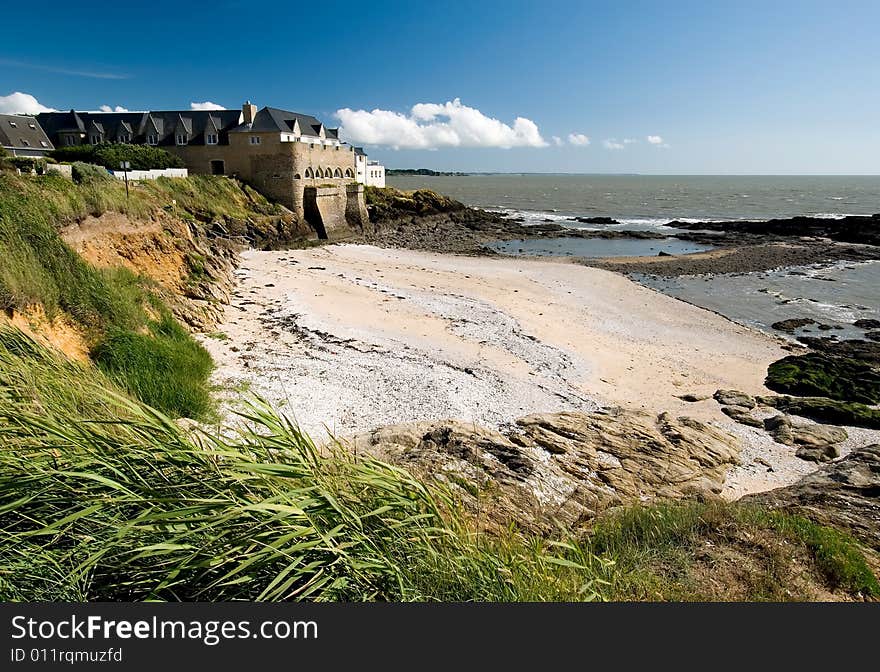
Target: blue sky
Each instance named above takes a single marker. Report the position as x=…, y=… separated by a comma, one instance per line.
x=744, y=87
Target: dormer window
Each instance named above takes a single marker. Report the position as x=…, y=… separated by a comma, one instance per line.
x=33, y=126
x=44, y=143
x=95, y=139
x=211, y=139
x=181, y=139
x=152, y=139
x=13, y=124
x=25, y=143
x=124, y=138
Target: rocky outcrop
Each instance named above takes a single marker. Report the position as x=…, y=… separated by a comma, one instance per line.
x=817, y=443
x=561, y=467
x=852, y=229
x=734, y=398
x=843, y=494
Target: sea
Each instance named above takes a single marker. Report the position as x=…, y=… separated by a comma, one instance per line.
x=835, y=295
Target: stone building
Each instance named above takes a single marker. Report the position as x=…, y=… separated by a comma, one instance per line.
x=23, y=136
x=290, y=157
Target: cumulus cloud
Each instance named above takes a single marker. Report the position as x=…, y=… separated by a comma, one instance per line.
x=557, y=140
x=435, y=125
x=21, y=103
x=657, y=141
x=611, y=143
x=207, y=105
x=118, y=108
x=578, y=139
x=629, y=141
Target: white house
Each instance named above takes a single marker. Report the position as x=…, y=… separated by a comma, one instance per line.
x=369, y=173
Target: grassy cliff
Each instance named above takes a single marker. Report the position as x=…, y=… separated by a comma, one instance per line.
x=127, y=329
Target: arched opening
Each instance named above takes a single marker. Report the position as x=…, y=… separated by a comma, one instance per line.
x=319, y=173
x=337, y=173
x=297, y=176
x=309, y=173
x=349, y=173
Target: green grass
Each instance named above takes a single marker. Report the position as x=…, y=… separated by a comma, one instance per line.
x=164, y=367
x=102, y=498
x=654, y=549
x=128, y=330
x=105, y=498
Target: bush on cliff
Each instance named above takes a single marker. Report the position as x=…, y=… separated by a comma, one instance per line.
x=141, y=157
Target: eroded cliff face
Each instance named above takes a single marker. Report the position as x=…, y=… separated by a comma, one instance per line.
x=191, y=267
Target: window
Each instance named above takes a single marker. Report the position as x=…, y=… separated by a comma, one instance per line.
x=44, y=143
x=13, y=124
x=255, y=139
x=69, y=140
x=25, y=143
x=211, y=139
x=181, y=138
x=33, y=126
x=152, y=139
x=95, y=139
x=124, y=138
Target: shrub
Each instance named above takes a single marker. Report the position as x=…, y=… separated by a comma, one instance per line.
x=164, y=368
x=141, y=157
x=88, y=172
x=27, y=164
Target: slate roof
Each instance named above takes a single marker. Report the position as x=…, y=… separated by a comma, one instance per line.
x=273, y=119
x=25, y=134
x=163, y=123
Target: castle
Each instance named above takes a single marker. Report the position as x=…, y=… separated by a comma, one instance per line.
x=290, y=157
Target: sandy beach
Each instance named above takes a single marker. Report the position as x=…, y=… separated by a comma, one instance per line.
x=347, y=338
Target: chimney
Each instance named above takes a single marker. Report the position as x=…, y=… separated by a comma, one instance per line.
x=248, y=112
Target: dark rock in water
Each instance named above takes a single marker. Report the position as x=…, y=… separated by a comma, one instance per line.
x=867, y=324
x=661, y=253
x=825, y=410
x=825, y=327
x=595, y=220
x=844, y=494
x=734, y=398
x=873, y=335
x=852, y=229
x=742, y=416
x=789, y=326
x=821, y=375
x=863, y=351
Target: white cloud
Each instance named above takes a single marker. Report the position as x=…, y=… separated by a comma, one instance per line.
x=21, y=103
x=629, y=141
x=207, y=105
x=118, y=108
x=578, y=139
x=611, y=143
x=655, y=139
x=434, y=125
x=557, y=140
